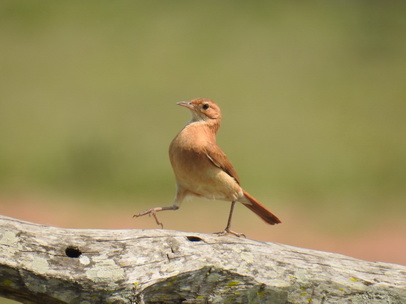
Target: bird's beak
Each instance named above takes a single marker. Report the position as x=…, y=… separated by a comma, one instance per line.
x=185, y=104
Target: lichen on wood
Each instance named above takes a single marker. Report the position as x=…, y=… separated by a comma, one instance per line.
x=41, y=264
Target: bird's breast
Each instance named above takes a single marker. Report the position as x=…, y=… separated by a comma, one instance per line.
x=195, y=172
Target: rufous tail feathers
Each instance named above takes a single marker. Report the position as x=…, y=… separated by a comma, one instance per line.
x=260, y=210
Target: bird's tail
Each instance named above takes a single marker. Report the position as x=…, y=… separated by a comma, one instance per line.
x=259, y=209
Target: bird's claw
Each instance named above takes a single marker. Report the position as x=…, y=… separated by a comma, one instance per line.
x=228, y=231
x=151, y=212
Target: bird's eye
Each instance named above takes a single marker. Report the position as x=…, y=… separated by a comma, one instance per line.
x=205, y=106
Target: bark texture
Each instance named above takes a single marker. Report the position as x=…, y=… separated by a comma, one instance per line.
x=41, y=264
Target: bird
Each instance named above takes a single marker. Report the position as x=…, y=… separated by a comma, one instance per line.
x=202, y=169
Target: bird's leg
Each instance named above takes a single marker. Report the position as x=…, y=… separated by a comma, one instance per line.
x=153, y=212
x=227, y=230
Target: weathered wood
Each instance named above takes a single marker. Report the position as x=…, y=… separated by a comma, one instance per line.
x=40, y=264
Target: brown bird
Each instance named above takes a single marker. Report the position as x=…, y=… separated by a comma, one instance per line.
x=202, y=169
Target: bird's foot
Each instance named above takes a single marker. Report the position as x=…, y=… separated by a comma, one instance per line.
x=228, y=231
x=151, y=212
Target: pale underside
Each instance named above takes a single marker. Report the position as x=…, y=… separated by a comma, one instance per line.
x=196, y=172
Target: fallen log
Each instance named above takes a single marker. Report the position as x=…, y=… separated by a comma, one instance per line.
x=42, y=264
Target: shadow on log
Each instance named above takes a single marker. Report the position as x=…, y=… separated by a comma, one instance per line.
x=41, y=264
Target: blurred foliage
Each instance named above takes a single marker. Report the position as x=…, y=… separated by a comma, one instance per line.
x=313, y=95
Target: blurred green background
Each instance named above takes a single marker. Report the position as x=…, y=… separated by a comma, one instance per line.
x=313, y=97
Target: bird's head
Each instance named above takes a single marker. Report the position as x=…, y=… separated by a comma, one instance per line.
x=202, y=109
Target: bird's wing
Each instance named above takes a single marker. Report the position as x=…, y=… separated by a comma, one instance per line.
x=220, y=160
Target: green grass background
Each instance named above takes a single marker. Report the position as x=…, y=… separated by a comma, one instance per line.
x=313, y=96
